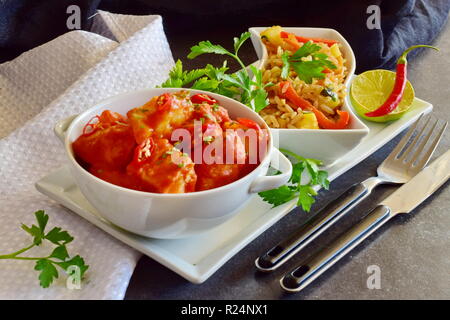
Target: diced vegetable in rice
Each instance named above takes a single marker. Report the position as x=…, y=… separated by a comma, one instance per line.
x=326, y=94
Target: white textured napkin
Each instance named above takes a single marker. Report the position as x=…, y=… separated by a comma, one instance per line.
x=40, y=87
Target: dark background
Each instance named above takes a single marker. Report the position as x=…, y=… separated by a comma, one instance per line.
x=25, y=24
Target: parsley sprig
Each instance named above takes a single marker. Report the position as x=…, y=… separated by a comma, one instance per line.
x=59, y=257
x=245, y=85
x=306, y=69
x=304, y=192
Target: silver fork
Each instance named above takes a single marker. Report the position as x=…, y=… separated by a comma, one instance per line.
x=404, y=162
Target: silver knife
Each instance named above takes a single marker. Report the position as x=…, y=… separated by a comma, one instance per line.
x=403, y=200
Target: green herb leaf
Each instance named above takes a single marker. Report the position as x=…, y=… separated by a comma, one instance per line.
x=205, y=84
x=47, y=273
x=75, y=261
x=306, y=69
x=304, y=192
x=179, y=78
x=259, y=99
x=35, y=232
x=60, y=253
x=322, y=179
x=58, y=236
x=238, y=86
x=305, y=50
x=42, y=219
x=239, y=41
x=286, y=65
x=297, y=170
x=306, y=197
x=207, y=47
x=278, y=196
x=46, y=265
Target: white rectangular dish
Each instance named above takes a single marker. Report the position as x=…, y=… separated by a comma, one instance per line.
x=197, y=258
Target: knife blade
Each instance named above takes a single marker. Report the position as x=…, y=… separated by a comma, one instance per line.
x=403, y=200
x=425, y=183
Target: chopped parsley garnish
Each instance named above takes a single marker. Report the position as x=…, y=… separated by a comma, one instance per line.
x=307, y=62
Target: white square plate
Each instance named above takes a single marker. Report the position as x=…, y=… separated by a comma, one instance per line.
x=197, y=258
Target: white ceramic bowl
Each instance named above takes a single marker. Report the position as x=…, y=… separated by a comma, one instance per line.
x=168, y=215
x=326, y=145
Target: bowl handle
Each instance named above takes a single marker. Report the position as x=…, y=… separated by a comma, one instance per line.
x=280, y=162
x=61, y=127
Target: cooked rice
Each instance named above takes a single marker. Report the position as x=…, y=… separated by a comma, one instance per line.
x=280, y=114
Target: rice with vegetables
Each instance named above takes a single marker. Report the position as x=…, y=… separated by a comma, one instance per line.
x=325, y=90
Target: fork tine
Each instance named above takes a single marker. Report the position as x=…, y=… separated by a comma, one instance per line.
x=397, y=150
x=423, y=143
x=414, y=142
x=424, y=160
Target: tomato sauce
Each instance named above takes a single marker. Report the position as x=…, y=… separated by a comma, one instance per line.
x=136, y=151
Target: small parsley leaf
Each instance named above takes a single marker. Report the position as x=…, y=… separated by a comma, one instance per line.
x=286, y=65
x=207, y=47
x=60, y=253
x=75, y=261
x=239, y=41
x=307, y=63
x=278, y=196
x=47, y=273
x=58, y=236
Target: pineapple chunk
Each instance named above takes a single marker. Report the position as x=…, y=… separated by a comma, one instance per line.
x=272, y=35
x=308, y=121
x=335, y=50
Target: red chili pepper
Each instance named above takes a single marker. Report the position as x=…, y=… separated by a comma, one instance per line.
x=91, y=125
x=399, y=87
x=143, y=152
x=288, y=92
x=164, y=101
x=328, y=42
x=201, y=97
x=249, y=123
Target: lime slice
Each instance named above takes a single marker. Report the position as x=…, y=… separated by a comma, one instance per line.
x=369, y=91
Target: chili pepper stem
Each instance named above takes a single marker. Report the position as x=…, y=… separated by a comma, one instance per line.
x=402, y=59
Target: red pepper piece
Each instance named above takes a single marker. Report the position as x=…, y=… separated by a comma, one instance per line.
x=396, y=95
x=90, y=127
x=294, y=44
x=201, y=97
x=164, y=101
x=288, y=92
x=143, y=152
x=328, y=42
x=327, y=123
x=249, y=123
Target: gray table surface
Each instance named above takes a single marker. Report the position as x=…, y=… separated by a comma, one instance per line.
x=412, y=251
